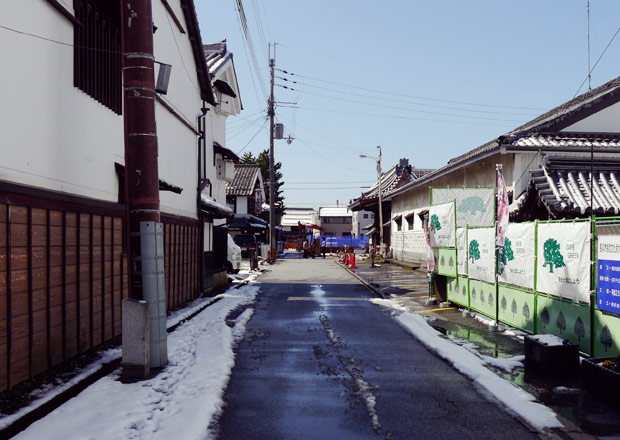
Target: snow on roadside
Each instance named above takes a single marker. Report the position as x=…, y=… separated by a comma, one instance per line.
x=48, y=392
x=178, y=402
x=514, y=398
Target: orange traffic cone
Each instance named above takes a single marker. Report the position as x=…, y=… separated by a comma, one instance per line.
x=346, y=259
x=352, y=260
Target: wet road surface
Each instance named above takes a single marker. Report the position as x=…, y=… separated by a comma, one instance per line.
x=319, y=361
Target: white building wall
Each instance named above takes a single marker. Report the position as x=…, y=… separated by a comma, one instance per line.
x=53, y=135
x=177, y=144
x=604, y=121
x=408, y=244
x=242, y=205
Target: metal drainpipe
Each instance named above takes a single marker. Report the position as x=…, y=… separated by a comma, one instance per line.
x=202, y=129
x=145, y=228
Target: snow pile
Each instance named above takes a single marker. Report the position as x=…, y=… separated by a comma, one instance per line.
x=549, y=340
x=178, y=403
x=488, y=383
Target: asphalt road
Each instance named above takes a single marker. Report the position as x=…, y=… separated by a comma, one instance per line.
x=319, y=361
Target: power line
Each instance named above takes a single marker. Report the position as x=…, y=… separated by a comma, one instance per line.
x=410, y=96
x=379, y=115
x=597, y=61
x=256, y=134
x=404, y=108
x=399, y=100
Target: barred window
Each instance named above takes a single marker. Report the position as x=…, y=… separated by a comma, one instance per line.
x=97, y=53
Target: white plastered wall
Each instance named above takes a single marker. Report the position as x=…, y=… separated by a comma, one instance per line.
x=53, y=135
x=178, y=147
x=603, y=121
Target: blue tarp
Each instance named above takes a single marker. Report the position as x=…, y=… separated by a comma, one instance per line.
x=341, y=241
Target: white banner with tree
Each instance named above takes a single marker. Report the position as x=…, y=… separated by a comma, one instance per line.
x=519, y=253
x=461, y=250
x=441, y=226
x=474, y=206
x=481, y=254
x=563, y=263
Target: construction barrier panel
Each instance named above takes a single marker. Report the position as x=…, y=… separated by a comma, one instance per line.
x=517, y=308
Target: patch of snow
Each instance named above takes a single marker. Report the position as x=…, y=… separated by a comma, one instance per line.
x=566, y=390
x=513, y=398
x=388, y=303
x=177, y=403
x=550, y=340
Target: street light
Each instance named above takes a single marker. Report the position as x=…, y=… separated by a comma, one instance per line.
x=378, y=160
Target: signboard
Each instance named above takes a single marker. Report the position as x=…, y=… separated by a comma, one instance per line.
x=481, y=254
x=563, y=263
x=608, y=265
x=519, y=255
x=461, y=250
x=441, y=225
x=474, y=206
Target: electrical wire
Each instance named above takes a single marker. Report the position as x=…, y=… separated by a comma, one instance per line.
x=597, y=61
x=400, y=100
x=408, y=96
x=406, y=109
x=256, y=134
x=379, y=115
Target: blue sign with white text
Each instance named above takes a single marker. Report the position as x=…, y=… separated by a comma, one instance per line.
x=608, y=291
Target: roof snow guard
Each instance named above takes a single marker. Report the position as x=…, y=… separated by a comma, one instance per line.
x=563, y=185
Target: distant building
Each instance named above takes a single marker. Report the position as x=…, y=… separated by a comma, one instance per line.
x=293, y=216
x=362, y=222
x=337, y=220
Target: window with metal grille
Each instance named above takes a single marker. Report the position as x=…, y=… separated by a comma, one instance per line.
x=97, y=53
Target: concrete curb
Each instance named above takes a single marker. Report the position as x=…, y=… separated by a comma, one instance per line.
x=361, y=280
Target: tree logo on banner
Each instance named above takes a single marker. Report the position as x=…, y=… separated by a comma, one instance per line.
x=471, y=205
x=561, y=322
x=474, y=251
x=544, y=317
x=580, y=329
x=490, y=300
x=508, y=254
x=553, y=257
x=606, y=338
x=526, y=311
x=435, y=225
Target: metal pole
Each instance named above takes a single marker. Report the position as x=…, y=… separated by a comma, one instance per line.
x=381, y=245
x=272, y=184
x=141, y=172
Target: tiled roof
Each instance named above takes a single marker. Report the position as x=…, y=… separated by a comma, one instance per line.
x=572, y=141
x=544, y=130
x=244, y=182
x=397, y=175
x=563, y=184
x=216, y=55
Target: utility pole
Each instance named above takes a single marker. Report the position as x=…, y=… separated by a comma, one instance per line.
x=145, y=231
x=381, y=246
x=272, y=178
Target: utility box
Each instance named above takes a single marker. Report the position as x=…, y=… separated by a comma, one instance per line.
x=136, y=343
x=550, y=354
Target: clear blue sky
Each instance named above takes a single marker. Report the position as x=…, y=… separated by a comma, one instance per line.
x=426, y=80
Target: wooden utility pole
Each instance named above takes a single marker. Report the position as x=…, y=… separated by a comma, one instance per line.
x=272, y=179
x=145, y=232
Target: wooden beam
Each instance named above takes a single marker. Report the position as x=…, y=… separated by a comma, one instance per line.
x=68, y=15
x=173, y=15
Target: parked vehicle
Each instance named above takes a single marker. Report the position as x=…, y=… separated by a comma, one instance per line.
x=233, y=264
x=246, y=242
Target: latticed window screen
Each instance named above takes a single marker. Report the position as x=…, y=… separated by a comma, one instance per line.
x=97, y=53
